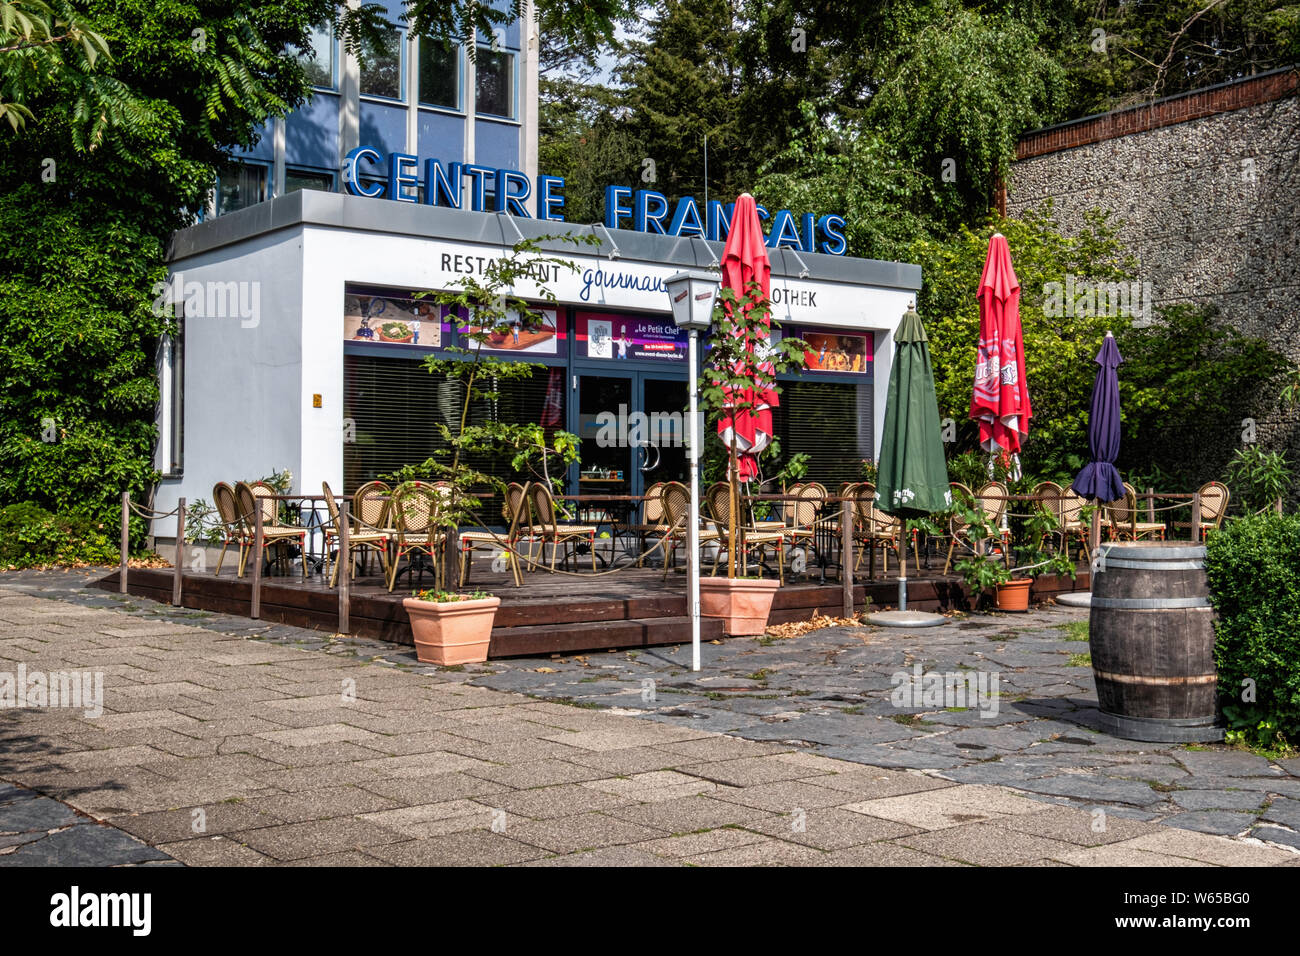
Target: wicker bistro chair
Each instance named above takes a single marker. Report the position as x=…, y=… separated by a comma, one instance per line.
x=749, y=539
x=677, y=514
x=362, y=539
x=371, y=509
x=674, y=502
x=991, y=499
x=276, y=537
x=849, y=490
x=546, y=529
x=232, y=527
x=1073, y=527
x=1214, y=505
x=652, y=519
x=371, y=506
x=1049, y=494
x=413, y=509
x=786, y=510
x=873, y=528
x=514, y=509
x=265, y=496
x=802, y=529
x=1124, y=521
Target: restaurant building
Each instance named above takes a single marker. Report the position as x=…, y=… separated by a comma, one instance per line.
x=301, y=340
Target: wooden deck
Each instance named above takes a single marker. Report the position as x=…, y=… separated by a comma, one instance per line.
x=550, y=613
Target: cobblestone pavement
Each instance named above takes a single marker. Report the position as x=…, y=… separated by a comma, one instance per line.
x=229, y=741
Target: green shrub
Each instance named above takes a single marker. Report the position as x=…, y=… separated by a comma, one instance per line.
x=1254, y=571
x=1257, y=478
x=30, y=536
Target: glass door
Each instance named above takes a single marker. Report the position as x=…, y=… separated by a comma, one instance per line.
x=660, y=441
x=605, y=404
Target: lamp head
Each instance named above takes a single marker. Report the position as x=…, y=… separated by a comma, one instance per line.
x=692, y=295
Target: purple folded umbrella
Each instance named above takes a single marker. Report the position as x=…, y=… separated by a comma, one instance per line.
x=1099, y=478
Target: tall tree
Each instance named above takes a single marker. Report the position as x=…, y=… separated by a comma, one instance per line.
x=101, y=161
x=1138, y=50
x=683, y=81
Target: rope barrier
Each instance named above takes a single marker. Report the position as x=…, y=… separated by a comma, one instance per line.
x=139, y=511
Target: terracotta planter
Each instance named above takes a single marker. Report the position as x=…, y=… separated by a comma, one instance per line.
x=452, y=632
x=1014, y=595
x=742, y=603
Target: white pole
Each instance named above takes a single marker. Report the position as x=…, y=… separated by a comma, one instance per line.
x=693, y=522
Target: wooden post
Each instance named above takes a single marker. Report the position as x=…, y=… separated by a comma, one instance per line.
x=1151, y=504
x=177, y=573
x=344, y=565
x=126, y=542
x=846, y=555
x=256, y=610
x=1196, y=516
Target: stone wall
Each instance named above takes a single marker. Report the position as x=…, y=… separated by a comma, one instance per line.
x=1205, y=188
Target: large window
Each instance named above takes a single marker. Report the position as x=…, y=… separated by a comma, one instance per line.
x=495, y=74
x=394, y=406
x=381, y=70
x=439, y=73
x=318, y=61
x=828, y=421
x=240, y=185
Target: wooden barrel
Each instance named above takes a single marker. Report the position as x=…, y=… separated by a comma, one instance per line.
x=1151, y=634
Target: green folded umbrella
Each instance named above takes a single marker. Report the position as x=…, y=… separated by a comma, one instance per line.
x=913, y=474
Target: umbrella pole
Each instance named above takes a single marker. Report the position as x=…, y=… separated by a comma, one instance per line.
x=902, y=566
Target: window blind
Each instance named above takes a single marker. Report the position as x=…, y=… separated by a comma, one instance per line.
x=831, y=422
x=393, y=406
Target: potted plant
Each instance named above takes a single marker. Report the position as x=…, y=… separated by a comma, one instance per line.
x=984, y=570
x=1035, y=563
x=739, y=341
x=451, y=628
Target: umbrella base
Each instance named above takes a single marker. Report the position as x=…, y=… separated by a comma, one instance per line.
x=1075, y=599
x=905, y=619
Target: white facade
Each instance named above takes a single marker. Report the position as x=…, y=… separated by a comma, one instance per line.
x=251, y=381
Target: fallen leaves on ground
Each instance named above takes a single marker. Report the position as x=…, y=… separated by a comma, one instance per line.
x=815, y=623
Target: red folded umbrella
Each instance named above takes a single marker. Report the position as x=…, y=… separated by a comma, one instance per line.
x=1000, y=401
x=744, y=261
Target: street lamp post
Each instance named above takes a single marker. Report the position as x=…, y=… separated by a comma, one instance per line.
x=693, y=295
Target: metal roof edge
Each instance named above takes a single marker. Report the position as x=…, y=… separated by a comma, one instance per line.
x=338, y=211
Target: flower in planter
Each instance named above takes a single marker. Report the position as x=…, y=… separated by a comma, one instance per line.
x=447, y=597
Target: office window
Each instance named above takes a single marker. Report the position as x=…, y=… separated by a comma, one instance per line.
x=439, y=73
x=381, y=73
x=240, y=185
x=496, y=83
x=295, y=179
x=318, y=60
x=172, y=387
